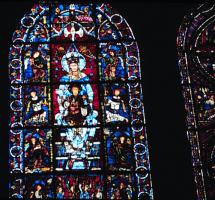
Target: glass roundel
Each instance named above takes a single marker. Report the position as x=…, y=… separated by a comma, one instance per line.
x=77, y=124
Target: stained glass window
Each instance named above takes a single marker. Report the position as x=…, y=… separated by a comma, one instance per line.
x=77, y=124
x=197, y=68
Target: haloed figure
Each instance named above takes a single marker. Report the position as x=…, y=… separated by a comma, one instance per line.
x=35, y=67
x=40, y=65
x=75, y=73
x=73, y=63
x=122, y=151
x=36, y=109
x=36, y=153
x=115, y=107
x=74, y=104
x=113, y=66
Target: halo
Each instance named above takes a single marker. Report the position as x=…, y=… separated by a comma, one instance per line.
x=81, y=62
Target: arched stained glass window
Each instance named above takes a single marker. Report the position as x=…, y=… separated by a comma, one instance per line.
x=196, y=42
x=77, y=124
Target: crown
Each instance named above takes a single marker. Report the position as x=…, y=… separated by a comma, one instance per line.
x=73, y=59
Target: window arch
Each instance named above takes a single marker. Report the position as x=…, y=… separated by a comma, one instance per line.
x=195, y=44
x=77, y=124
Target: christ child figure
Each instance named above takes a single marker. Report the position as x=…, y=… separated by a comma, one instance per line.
x=74, y=103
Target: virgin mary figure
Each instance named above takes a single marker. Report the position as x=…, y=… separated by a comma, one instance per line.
x=73, y=63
